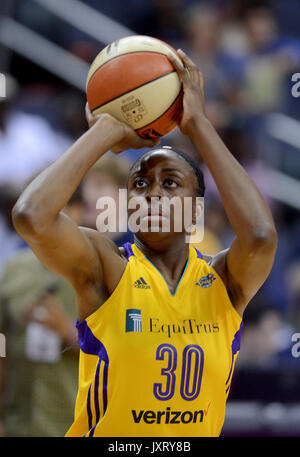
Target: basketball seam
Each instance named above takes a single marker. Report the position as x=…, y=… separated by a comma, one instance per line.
x=120, y=55
x=138, y=87
x=161, y=115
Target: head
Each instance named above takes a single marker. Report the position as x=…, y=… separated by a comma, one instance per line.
x=161, y=185
x=262, y=323
x=260, y=26
x=203, y=28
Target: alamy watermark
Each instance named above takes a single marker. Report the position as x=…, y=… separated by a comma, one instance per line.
x=157, y=215
x=296, y=347
x=2, y=85
x=296, y=87
x=2, y=345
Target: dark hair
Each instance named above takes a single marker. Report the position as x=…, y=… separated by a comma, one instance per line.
x=197, y=171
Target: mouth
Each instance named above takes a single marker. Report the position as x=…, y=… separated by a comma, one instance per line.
x=154, y=214
x=153, y=217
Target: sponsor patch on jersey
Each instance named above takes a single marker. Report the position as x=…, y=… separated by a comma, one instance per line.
x=169, y=416
x=141, y=284
x=206, y=281
x=133, y=320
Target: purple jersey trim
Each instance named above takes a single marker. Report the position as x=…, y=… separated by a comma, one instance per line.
x=88, y=406
x=235, y=347
x=128, y=250
x=199, y=255
x=91, y=345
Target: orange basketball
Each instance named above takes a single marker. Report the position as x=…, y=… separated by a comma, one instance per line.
x=133, y=80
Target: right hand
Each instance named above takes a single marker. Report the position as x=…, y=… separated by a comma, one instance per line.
x=127, y=137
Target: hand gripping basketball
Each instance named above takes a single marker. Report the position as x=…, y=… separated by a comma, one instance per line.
x=133, y=80
x=193, y=90
x=126, y=137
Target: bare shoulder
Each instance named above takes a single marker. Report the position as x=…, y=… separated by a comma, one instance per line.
x=217, y=261
x=102, y=243
x=112, y=266
x=112, y=258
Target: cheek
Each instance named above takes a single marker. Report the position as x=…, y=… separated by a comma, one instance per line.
x=135, y=201
x=188, y=209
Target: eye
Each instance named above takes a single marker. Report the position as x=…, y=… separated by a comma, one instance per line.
x=169, y=182
x=140, y=183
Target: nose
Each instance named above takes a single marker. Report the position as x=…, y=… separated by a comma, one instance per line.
x=154, y=191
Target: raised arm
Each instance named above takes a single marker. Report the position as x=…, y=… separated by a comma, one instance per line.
x=77, y=254
x=245, y=266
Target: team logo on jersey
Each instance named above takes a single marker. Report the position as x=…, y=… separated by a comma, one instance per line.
x=141, y=284
x=206, y=281
x=133, y=320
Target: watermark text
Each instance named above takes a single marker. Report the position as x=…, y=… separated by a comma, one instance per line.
x=2, y=345
x=2, y=85
x=163, y=214
x=296, y=346
x=296, y=87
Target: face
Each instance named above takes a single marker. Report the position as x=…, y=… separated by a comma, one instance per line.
x=261, y=29
x=204, y=33
x=155, y=180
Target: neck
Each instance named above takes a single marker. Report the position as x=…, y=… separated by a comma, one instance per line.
x=169, y=258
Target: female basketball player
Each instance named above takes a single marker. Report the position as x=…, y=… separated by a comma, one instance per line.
x=158, y=322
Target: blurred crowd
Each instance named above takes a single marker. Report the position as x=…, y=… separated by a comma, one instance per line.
x=247, y=52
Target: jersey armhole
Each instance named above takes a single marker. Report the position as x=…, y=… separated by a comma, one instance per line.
x=103, y=307
x=232, y=307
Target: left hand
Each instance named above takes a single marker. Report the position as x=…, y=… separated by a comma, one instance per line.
x=193, y=88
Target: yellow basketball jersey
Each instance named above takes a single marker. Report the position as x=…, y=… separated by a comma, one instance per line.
x=153, y=363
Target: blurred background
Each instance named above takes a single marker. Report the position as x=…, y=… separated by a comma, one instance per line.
x=249, y=53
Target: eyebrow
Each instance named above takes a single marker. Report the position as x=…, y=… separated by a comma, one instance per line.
x=173, y=169
x=143, y=170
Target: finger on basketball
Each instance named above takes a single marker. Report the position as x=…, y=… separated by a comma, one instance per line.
x=180, y=68
x=91, y=119
x=88, y=113
x=145, y=142
x=186, y=60
x=192, y=68
x=151, y=143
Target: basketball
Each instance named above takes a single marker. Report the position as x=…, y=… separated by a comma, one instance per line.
x=133, y=80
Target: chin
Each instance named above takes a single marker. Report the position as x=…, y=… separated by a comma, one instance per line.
x=149, y=238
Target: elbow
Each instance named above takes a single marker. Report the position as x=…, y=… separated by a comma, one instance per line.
x=265, y=238
x=24, y=219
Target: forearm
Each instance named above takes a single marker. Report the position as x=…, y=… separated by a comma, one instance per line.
x=246, y=209
x=51, y=190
